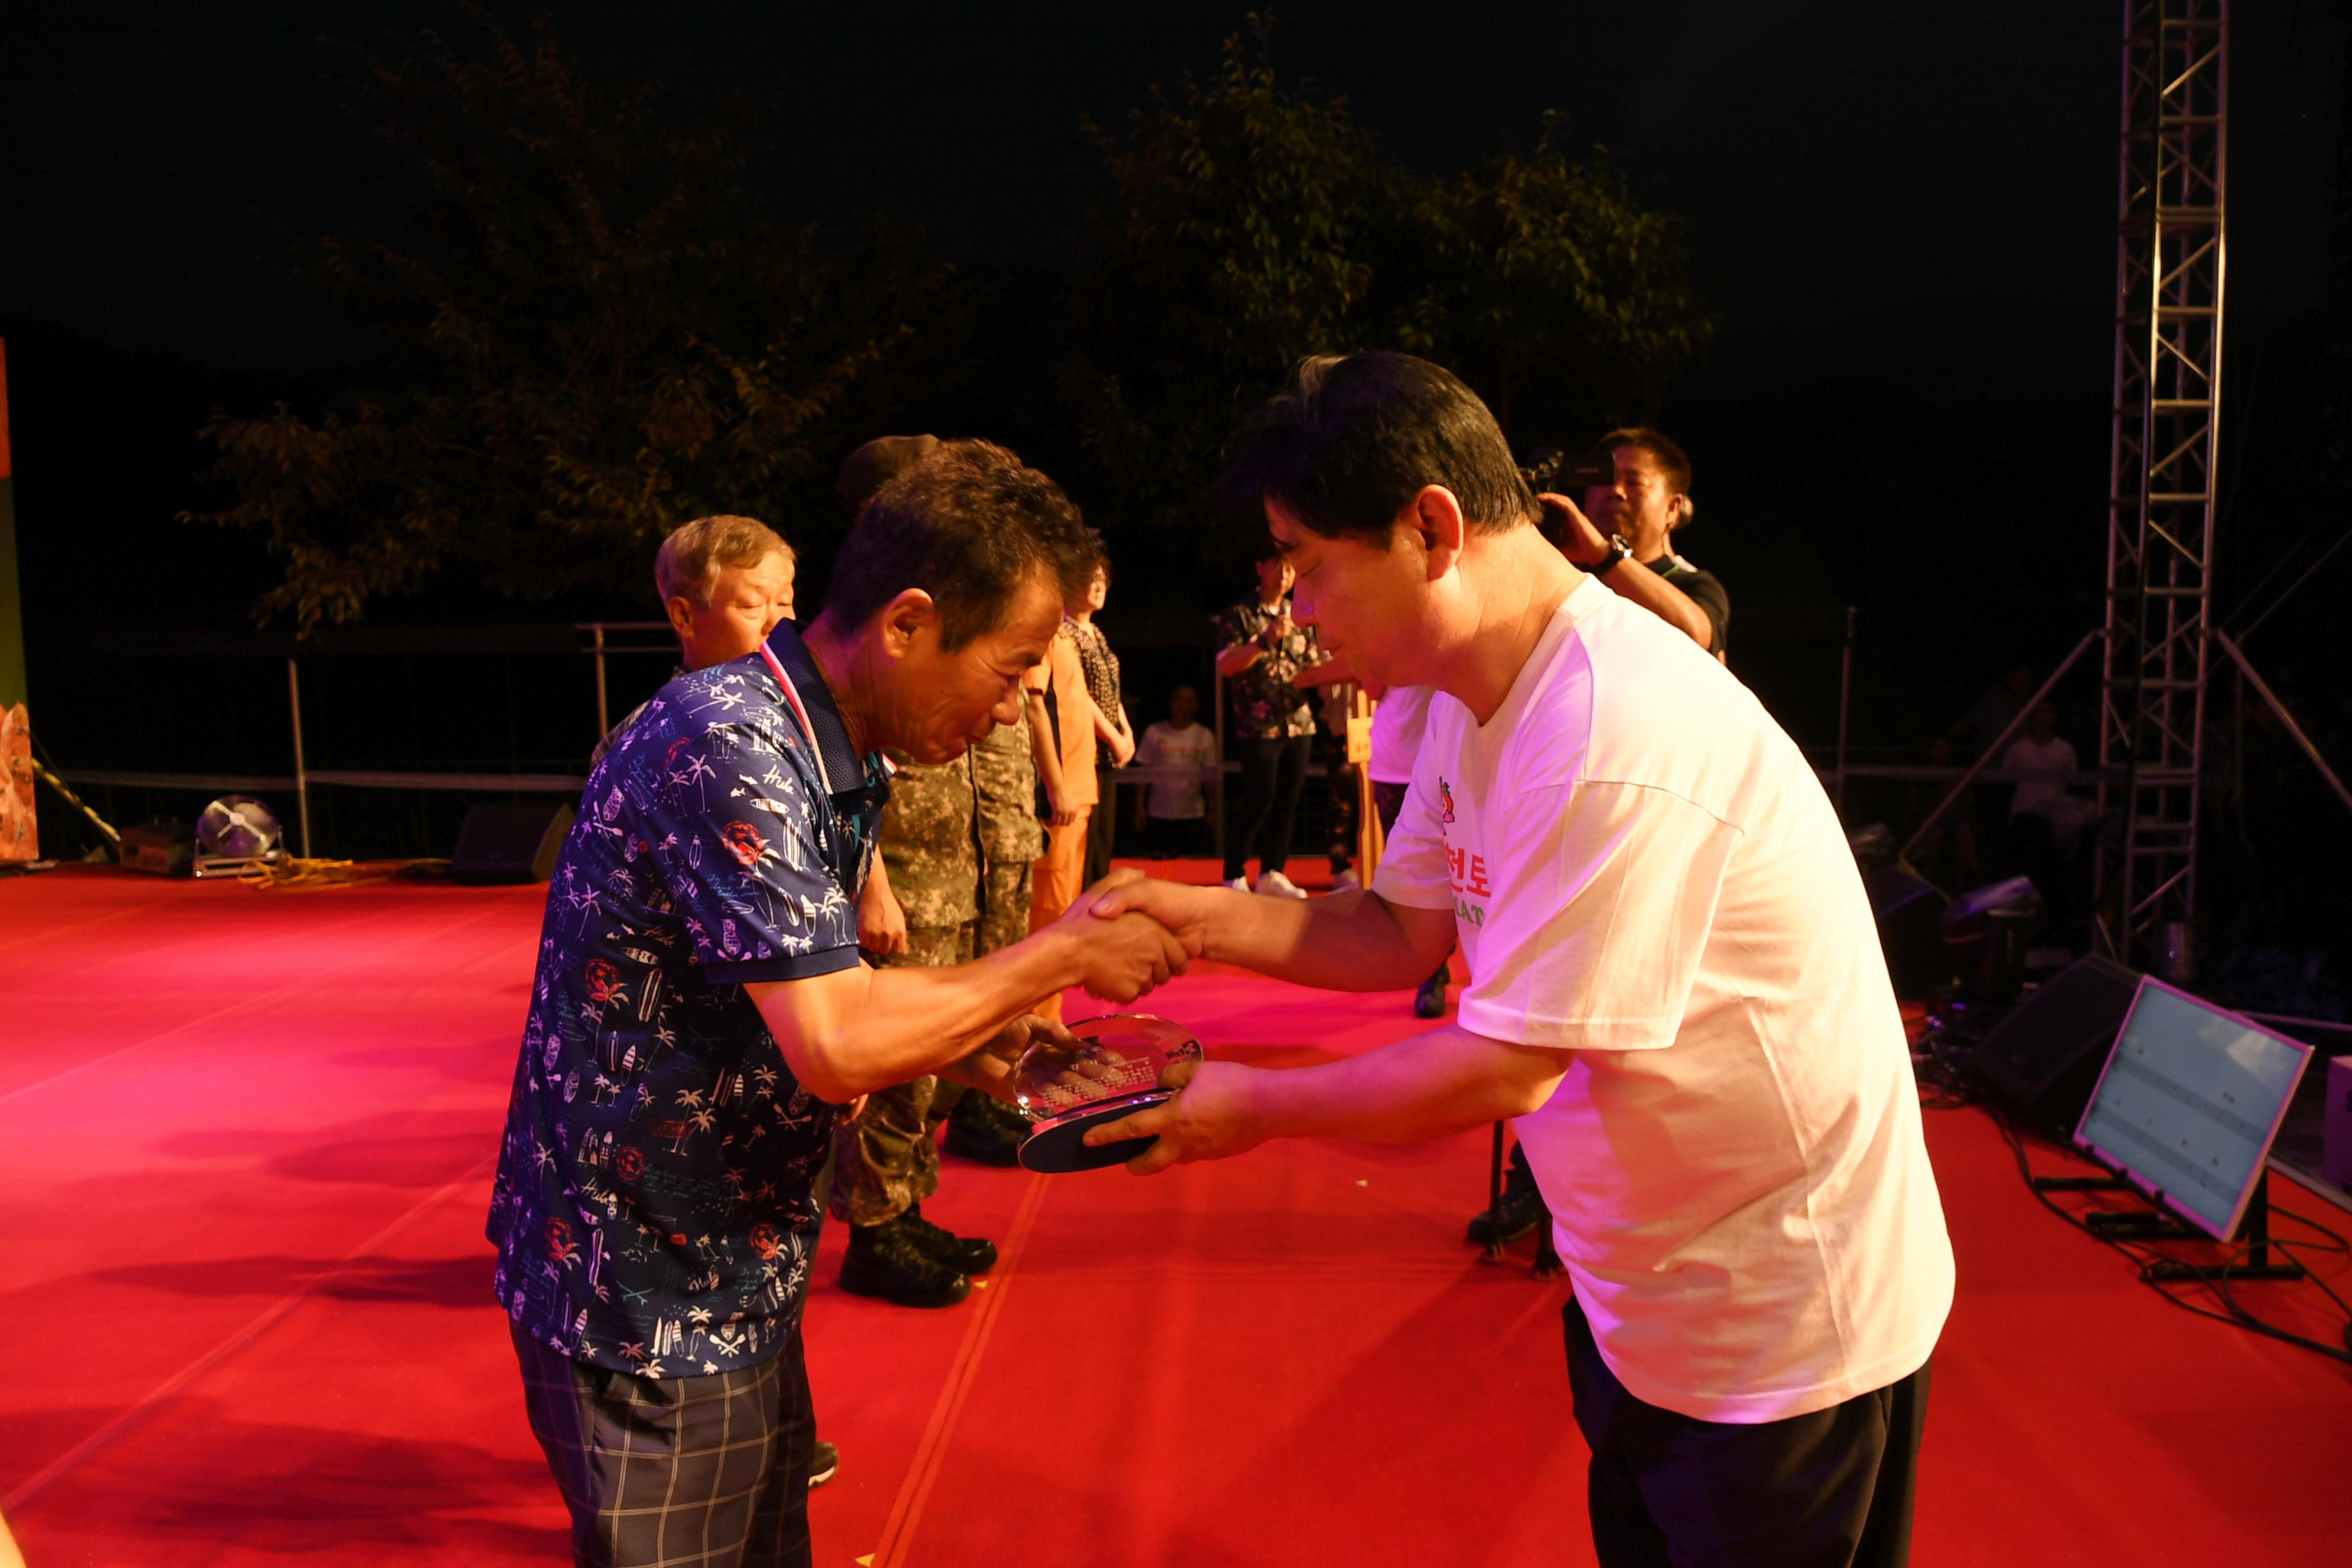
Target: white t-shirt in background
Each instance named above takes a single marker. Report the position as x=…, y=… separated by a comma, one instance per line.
x=1165, y=746
x=2042, y=769
x=1398, y=720
x=1644, y=870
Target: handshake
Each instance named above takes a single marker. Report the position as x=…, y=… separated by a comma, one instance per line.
x=1130, y=934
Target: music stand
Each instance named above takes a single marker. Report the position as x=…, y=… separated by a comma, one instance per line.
x=2185, y=1113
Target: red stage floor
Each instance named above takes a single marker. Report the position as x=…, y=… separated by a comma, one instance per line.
x=246, y=1139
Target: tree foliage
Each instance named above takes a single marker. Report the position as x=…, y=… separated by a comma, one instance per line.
x=1233, y=243
x=595, y=332
x=1248, y=222
x=1549, y=290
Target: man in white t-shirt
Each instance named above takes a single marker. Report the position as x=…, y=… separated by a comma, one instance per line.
x=1677, y=989
x=2043, y=763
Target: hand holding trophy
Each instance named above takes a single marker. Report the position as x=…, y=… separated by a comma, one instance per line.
x=1113, y=1072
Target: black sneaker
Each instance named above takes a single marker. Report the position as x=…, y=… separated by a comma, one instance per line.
x=1523, y=1210
x=971, y=1255
x=823, y=1465
x=888, y=1260
x=1429, y=1002
x=985, y=1130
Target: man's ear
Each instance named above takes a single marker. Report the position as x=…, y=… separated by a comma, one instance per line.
x=1434, y=517
x=680, y=610
x=904, y=618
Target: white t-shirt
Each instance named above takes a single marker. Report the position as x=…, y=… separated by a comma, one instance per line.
x=2041, y=769
x=1165, y=746
x=1644, y=870
x=1397, y=721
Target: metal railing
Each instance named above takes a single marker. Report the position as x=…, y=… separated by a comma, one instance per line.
x=599, y=640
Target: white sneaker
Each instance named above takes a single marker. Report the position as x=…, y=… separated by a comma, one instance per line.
x=1239, y=884
x=1345, y=882
x=1274, y=884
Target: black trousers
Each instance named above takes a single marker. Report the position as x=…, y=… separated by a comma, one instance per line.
x=1273, y=772
x=1168, y=836
x=1102, y=827
x=1829, y=1489
x=708, y=1470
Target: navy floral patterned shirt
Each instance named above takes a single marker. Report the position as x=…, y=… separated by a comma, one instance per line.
x=651, y=1210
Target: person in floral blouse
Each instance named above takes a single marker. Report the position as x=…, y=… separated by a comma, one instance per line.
x=1114, y=735
x=1260, y=652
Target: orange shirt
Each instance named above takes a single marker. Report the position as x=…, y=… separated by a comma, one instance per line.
x=1074, y=711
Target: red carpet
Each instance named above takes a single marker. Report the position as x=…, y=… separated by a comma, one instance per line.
x=245, y=1139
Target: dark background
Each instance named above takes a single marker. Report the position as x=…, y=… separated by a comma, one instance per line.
x=1902, y=215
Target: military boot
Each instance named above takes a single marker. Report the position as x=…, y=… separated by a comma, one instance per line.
x=888, y=1260
x=984, y=1130
x=965, y=1253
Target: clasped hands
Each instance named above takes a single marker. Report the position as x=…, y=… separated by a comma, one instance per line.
x=1125, y=948
x=1134, y=934
x=1122, y=956
x=1210, y=1119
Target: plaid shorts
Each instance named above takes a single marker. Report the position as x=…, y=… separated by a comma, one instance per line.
x=707, y=1471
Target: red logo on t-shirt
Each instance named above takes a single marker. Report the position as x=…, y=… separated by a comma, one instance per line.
x=1469, y=873
x=1444, y=802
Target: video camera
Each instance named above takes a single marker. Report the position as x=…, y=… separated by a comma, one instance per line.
x=1568, y=473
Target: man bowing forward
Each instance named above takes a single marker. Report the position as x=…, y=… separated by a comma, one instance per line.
x=1678, y=990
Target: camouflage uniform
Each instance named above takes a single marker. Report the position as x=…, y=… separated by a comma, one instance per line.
x=884, y=1160
x=1004, y=776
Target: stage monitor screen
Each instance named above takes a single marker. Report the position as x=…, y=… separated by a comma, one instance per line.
x=2191, y=1099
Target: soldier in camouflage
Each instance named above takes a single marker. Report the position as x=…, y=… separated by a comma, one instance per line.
x=920, y=908
x=1004, y=784
x=950, y=883
x=1004, y=777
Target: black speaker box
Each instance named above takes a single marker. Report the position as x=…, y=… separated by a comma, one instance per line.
x=1910, y=915
x=2042, y=1060
x=511, y=843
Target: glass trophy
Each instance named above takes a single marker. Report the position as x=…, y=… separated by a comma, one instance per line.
x=1113, y=1072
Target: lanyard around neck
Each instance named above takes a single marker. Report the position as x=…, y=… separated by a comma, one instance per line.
x=793, y=696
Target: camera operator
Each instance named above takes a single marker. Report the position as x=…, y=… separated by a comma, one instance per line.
x=1633, y=522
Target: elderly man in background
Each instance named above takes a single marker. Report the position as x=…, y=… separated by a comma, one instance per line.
x=725, y=582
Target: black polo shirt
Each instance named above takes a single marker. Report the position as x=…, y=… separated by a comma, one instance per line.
x=1706, y=591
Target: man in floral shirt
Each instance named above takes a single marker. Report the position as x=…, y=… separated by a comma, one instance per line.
x=701, y=1008
x=1260, y=652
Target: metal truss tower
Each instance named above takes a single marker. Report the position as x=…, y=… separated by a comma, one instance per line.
x=2167, y=398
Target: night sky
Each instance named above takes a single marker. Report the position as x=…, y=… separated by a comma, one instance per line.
x=160, y=164
x=1902, y=213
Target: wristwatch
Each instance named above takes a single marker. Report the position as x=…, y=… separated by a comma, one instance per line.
x=1617, y=552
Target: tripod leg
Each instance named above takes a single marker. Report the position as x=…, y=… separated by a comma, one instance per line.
x=1495, y=1199
x=1548, y=1263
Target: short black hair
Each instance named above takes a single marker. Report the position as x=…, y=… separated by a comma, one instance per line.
x=968, y=525
x=1355, y=437
x=1673, y=462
